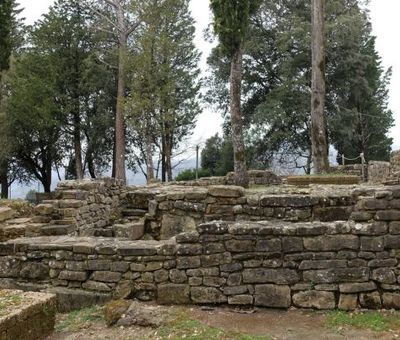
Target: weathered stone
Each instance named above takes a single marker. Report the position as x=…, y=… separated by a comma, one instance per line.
x=273, y=296
x=370, y=300
x=235, y=290
x=328, y=243
x=177, y=276
x=349, y=288
x=278, y=276
x=391, y=300
x=238, y=246
x=394, y=227
x=384, y=275
x=102, y=265
x=388, y=215
x=226, y=191
x=172, y=225
x=348, y=302
x=240, y=300
x=188, y=262
x=392, y=241
x=361, y=216
x=36, y=271
x=6, y=214
x=216, y=227
x=314, y=299
x=374, y=228
x=188, y=237
x=189, y=249
x=106, y=276
x=72, y=276
x=337, y=275
x=292, y=244
x=382, y=263
x=96, y=286
x=322, y=264
x=272, y=245
x=114, y=310
x=372, y=243
x=207, y=295
x=177, y=294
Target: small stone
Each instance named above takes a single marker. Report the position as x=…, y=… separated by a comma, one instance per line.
x=348, y=302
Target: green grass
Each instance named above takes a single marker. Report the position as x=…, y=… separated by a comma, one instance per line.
x=79, y=319
x=182, y=327
x=375, y=321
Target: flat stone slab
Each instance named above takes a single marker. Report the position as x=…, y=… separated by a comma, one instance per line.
x=6, y=214
x=26, y=315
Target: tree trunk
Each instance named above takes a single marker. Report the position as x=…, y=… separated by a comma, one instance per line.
x=241, y=177
x=149, y=159
x=319, y=144
x=4, y=182
x=119, y=114
x=46, y=178
x=78, y=147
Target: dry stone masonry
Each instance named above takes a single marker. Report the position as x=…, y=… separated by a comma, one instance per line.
x=317, y=247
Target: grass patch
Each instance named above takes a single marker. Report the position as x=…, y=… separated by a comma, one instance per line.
x=375, y=321
x=182, y=327
x=79, y=319
x=8, y=301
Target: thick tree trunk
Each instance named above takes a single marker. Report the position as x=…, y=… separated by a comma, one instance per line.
x=119, y=114
x=3, y=182
x=78, y=147
x=149, y=159
x=241, y=177
x=319, y=144
x=47, y=176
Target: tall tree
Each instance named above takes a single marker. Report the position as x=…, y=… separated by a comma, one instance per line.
x=10, y=40
x=277, y=79
x=119, y=18
x=231, y=24
x=164, y=87
x=319, y=144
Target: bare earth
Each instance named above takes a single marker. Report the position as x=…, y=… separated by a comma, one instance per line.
x=273, y=324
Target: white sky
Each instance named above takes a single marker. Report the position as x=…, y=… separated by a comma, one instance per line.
x=386, y=26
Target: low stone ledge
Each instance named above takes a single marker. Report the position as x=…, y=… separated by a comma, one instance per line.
x=26, y=315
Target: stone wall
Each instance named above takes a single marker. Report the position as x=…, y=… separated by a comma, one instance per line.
x=172, y=210
x=395, y=164
x=256, y=177
x=32, y=318
x=375, y=172
x=308, y=265
x=84, y=208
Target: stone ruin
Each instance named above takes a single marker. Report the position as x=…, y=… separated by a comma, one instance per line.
x=321, y=247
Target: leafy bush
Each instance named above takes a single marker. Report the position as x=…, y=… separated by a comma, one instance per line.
x=190, y=175
x=31, y=196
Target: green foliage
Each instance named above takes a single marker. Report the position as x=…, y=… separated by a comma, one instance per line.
x=231, y=22
x=31, y=196
x=190, y=174
x=217, y=156
x=376, y=321
x=163, y=102
x=277, y=78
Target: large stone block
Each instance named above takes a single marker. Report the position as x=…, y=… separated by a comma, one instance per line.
x=331, y=243
x=314, y=299
x=207, y=295
x=391, y=300
x=177, y=294
x=173, y=225
x=226, y=191
x=337, y=275
x=6, y=214
x=349, y=288
x=273, y=296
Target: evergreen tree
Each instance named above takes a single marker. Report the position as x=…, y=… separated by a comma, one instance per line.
x=231, y=25
x=277, y=82
x=164, y=87
x=10, y=40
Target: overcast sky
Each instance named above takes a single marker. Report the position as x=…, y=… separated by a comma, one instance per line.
x=386, y=26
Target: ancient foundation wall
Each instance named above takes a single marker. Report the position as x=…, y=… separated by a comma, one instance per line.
x=182, y=209
x=271, y=264
x=84, y=208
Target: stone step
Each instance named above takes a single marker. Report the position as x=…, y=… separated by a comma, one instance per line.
x=6, y=214
x=58, y=230
x=134, y=212
x=63, y=222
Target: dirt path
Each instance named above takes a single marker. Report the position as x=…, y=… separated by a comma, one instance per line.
x=260, y=324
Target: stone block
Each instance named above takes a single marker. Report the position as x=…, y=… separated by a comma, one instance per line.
x=278, y=276
x=240, y=300
x=384, y=275
x=337, y=275
x=348, y=302
x=106, y=276
x=272, y=296
x=349, y=288
x=332, y=243
x=177, y=294
x=226, y=191
x=370, y=300
x=208, y=295
x=314, y=299
x=391, y=300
